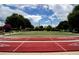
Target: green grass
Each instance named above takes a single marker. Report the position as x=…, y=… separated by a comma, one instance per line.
x=41, y=34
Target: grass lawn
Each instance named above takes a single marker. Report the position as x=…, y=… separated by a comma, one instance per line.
x=41, y=34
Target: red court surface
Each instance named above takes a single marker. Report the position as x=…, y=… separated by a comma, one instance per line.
x=38, y=45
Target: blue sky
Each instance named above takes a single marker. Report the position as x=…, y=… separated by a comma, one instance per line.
x=42, y=13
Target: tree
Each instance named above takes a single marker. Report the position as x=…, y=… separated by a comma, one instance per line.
x=41, y=28
x=28, y=23
x=63, y=25
x=48, y=28
x=76, y=8
x=36, y=28
x=73, y=19
x=18, y=21
x=7, y=27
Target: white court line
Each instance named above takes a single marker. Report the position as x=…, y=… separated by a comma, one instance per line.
x=44, y=41
x=18, y=46
x=59, y=46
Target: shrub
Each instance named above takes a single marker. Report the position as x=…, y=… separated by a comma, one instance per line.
x=7, y=27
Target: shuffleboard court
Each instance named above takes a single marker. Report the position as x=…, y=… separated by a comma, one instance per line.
x=59, y=44
x=39, y=46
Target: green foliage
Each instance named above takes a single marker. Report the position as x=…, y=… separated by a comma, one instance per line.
x=76, y=8
x=73, y=19
x=18, y=22
x=41, y=28
x=28, y=23
x=48, y=28
x=7, y=27
x=63, y=25
x=36, y=28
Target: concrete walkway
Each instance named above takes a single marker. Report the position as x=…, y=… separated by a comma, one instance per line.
x=41, y=53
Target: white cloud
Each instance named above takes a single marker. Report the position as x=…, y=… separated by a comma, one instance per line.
x=47, y=21
x=52, y=17
x=6, y=11
x=1, y=24
x=34, y=18
x=53, y=25
x=21, y=6
x=61, y=10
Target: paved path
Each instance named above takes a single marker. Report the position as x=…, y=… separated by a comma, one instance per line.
x=44, y=53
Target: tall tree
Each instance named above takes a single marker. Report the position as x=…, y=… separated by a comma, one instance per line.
x=63, y=25
x=28, y=23
x=18, y=21
x=73, y=19
x=48, y=28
